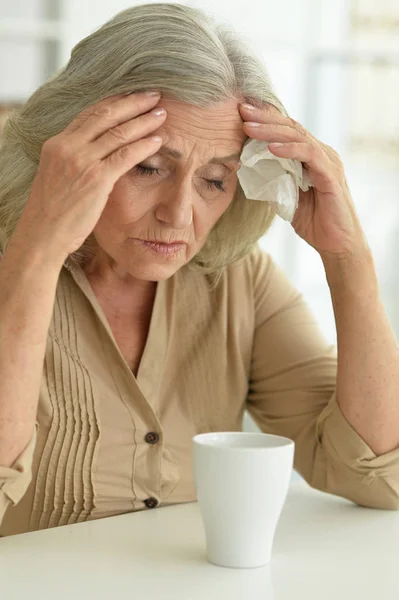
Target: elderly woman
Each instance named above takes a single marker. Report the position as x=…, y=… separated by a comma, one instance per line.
x=136, y=309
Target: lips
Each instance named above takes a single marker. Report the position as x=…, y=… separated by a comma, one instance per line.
x=161, y=248
x=179, y=242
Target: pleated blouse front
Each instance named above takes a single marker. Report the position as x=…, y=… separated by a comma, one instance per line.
x=91, y=458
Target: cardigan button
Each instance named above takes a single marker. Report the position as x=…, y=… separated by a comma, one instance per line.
x=152, y=437
x=151, y=502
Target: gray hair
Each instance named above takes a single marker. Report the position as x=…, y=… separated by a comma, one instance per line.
x=180, y=51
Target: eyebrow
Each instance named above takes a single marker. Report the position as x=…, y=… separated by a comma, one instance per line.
x=217, y=159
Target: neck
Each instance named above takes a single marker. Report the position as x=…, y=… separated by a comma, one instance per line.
x=116, y=288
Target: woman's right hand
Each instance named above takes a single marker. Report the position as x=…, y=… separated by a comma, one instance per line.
x=79, y=167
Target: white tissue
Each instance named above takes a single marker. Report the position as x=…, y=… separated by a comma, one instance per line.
x=264, y=176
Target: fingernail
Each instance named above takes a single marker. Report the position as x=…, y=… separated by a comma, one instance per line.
x=275, y=144
x=252, y=124
x=152, y=93
x=248, y=106
x=158, y=112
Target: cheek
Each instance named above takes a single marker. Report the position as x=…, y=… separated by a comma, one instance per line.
x=122, y=206
x=208, y=215
x=226, y=199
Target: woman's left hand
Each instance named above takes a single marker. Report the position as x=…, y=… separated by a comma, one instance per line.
x=326, y=217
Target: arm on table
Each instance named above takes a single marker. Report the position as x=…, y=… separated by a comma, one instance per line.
x=28, y=281
x=292, y=392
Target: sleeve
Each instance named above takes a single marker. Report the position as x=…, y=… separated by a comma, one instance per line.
x=14, y=480
x=292, y=393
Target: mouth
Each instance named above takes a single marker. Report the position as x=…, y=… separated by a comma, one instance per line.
x=163, y=248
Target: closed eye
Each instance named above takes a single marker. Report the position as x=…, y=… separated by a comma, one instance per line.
x=147, y=170
x=215, y=183
x=211, y=183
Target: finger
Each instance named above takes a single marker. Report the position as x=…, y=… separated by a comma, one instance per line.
x=126, y=133
x=269, y=115
x=318, y=164
x=265, y=114
x=272, y=132
x=127, y=157
x=111, y=114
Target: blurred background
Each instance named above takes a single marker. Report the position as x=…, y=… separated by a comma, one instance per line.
x=335, y=66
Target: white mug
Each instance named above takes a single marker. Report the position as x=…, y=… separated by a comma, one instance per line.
x=242, y=481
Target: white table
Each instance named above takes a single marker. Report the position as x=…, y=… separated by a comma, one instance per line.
x=325, y=548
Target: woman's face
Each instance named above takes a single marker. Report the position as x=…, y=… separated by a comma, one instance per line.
x=179, y=193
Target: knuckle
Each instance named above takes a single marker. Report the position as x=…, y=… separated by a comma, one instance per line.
x=102, y=112
x=59, y=148
x=124, y=152
x=304, y=133
x=50, y=144
x=316, y=151
x=55, y=146
x=321, y=155
x=334, y=154
x=76, y=162
x=91, y=175
x=323, y=149
x=119, y=134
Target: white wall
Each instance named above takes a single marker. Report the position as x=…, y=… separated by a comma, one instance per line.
x=21, y=61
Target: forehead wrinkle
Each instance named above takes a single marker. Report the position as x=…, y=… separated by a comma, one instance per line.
x=174, y=138
x=209, y=153
x=179, y=155
x=190, y=131
x=198, y=121
x=224, y=122
x=206, y=133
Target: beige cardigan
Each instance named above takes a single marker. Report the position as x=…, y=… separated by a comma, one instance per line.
x=252, y=343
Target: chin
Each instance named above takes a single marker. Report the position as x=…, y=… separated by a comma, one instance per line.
x=154, y=270
x=151, y=266
x=157, y=273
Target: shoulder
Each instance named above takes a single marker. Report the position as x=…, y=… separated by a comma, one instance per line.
x=255, y=271
x=259, y=277
x=254, y=263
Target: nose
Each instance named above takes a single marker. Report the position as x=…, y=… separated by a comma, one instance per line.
x=176, y=209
